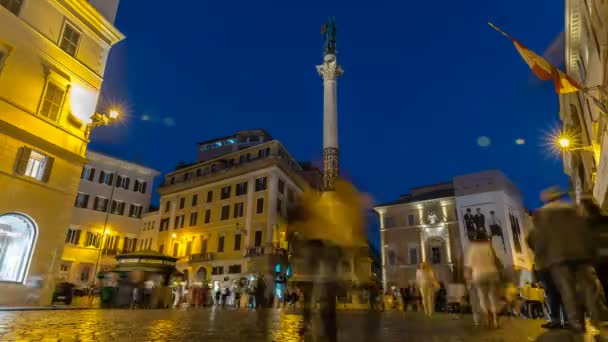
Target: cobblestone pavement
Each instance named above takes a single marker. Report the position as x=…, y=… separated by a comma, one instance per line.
x=245, y=325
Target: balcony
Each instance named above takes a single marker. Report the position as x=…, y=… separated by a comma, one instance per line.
x=254, y=251
x=200, y=257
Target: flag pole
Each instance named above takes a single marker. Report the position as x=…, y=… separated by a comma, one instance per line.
x=499, y=30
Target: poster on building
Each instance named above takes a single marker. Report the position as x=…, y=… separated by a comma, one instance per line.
x=515, y=230
x=484, y=218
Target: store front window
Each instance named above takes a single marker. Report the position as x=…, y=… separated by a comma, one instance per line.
x=18, y=235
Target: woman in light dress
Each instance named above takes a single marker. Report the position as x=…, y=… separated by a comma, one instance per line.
x=483, y=270
x=427, y=284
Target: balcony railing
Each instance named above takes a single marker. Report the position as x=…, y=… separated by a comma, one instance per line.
x=200, y=257
x=254, y=251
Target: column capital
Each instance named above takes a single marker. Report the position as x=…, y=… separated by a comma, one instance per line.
x=330, y=70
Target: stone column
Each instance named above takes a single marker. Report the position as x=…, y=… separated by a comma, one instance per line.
x=381, y=212
x=422, y=245
x=330, y=71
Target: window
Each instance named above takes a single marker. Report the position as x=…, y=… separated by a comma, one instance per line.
x=279, y=206
x=264, y=153
x=18, y=235
x=217, y=270
x=129, y=245
x=257, y=242
x=182, y=203
x=225, y=194
x=92, y=240
x=232, y=269
x=73, y=236
x=237, y=242
x=260, y=184
x=186, y=176
x=161, y=248
x=172, y=180
x=118, y=207
x=392, y=258
x=436, y=255
x=135, y=210
x=122, y=182
x=225, y=212
x=209, y=196
x=179, y=222
x=14, y=6
x=101, y=204
x=65, y=267
x=194, y=200
x=281, y=186
x=34, y=164
x=188, y=248
x=175, y=249
x=164, y=224
x=87, y=173
x=69, y=40
x=238, y=210
x=82, y=200
x=220, y=244
x=52, y=101
x=413, y=256
x=140, y=186
x=193, y=218
x=207, y=215
x=167, y=206
x=203, y=245
x=410, y=220
x=259, y=205
x=290, y=195
x=106, y=177
x=85, y=273
x=241, y=189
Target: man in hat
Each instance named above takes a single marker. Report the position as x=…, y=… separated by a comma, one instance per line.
x=563, y=245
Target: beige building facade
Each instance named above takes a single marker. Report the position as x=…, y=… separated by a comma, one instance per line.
x=112, y=198
x=437, y=223
x=52, y=59
x=223, y=217
x=586, y=59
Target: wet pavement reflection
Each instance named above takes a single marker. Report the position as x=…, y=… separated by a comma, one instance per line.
x=246, y=325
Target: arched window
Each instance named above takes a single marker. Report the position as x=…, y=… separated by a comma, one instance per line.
x=18, y=235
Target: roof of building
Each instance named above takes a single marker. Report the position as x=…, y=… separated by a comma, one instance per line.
x=125, y=164
x=442, y=193
x=239, y=132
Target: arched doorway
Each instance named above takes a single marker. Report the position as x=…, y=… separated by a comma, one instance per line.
x=18, y=234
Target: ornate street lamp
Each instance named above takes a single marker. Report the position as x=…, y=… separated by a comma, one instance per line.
x=102, y=119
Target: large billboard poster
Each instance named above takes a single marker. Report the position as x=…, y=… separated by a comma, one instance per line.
x=516, y=230
x=484, y=217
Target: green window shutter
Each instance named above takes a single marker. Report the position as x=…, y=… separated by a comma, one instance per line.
x=48, y=167
x=22, y=160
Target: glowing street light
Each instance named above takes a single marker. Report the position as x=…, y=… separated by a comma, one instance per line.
x=563, y=142
x=174, y=235
x=102, y=119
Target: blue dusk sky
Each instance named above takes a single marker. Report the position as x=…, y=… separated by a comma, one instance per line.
x=423, y=81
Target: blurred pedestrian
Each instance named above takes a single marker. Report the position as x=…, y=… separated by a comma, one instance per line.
x=484, y=272
x=428, y=285
x=562, y=242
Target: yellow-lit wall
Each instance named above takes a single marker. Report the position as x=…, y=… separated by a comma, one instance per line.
x=30, y=40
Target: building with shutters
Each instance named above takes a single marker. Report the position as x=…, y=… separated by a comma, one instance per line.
x=586, y=61
x=52, y=60
x=223, y=215
x=112, y=198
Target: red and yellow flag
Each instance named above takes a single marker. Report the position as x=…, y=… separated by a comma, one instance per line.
x=546, y=71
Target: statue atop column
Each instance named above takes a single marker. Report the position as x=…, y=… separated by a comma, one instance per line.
x=329, y=32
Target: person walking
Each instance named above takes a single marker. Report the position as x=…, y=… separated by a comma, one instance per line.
x=554, y=299
x=483, y=270
x=563, y=243
x=427, y=283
